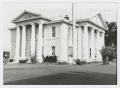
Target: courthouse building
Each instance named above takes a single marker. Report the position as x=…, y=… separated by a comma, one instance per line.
x=37, y=35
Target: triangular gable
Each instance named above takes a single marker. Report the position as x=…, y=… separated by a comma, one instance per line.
x=98, y=19
x=26, y=15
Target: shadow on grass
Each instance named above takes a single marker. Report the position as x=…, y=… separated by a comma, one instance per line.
x=72, y=78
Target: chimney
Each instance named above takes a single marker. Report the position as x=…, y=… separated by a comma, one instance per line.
x=66, y=17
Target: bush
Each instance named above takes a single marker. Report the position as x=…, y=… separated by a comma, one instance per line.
x=51, y=59
x=78, y=62
x=33, y=59
x=23, y=61
x=113, y=54
x=108, y=54
x=5, y=60
x=11, y=60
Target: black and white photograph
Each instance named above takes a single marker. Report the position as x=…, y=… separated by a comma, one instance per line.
x=59, y=43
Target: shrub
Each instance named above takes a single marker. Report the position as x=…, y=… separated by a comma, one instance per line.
x=33, y=59
x=51, y=59
x=78, y=62
x=105, y=52
x=5, y=60
x=23, y=61
x=113, y=54
x=108, y=54
x=11, y=60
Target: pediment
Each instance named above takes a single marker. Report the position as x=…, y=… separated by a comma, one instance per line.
x=98, y=19
x=26, y=15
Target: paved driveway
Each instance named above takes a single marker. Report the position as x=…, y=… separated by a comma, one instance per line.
x=51, y=74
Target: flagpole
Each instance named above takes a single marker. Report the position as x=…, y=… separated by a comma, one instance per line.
x=74, y=31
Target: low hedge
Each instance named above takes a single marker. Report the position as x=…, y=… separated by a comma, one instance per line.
x=51, y=59
x=11, y=60
x=23, y=61
x=78, y=62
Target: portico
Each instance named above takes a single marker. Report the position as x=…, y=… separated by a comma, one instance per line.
x=90, y=43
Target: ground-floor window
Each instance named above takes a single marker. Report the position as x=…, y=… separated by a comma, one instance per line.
x=90, y=52
x=70, y=51
x=53, y=50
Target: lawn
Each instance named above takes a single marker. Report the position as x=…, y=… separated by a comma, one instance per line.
x=51, y=74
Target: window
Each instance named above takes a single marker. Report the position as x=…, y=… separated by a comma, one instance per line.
x=27, y=16
x=82, y=27
x=90, y=52
x=53, y=50
x=70, y=51
x=53, y=31
x=69, y=32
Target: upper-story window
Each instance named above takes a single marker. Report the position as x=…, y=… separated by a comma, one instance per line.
x=82, y=27
x=27, y=16
x=69, y=32
x=53, y=31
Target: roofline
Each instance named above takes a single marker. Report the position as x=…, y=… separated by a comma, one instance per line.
x=103, y=21
x=92, y=24
x=24, y=12
x=57, y=21
x=39, y=16
x=13, y=28
x=32, y=13
x=80, y=20
x=31, y=19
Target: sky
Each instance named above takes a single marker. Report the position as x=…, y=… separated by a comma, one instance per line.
x=53, y=10
x=88, y=10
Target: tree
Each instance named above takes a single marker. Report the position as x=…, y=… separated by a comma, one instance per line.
x=111, y=34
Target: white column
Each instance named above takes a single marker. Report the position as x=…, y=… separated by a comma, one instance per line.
x=99, y=44
x=86, y=43
x=79, y=44
x=103, y=39
x=33, y=40
x=98, y=40
x=11, y=53
x=92, y=44
x=75, y=43
x=63, y=43
x=23, y=41
x=40, y=43
x=17, y=53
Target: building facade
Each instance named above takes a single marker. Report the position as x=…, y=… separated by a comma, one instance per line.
x=39, y=36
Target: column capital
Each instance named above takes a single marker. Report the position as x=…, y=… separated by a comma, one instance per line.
x=92, y=29
x=23, y=25
x=41, y=22
x=32, y=24
x=18, y=27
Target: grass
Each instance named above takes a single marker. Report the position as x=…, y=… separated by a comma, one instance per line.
x=41, y=74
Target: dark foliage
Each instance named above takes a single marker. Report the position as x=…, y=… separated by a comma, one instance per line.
x=51, y=59
x=23, y=61
x=11, y=60
x=111, y=34
x=33, y=59
x=78, y=62
x=108, y=54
